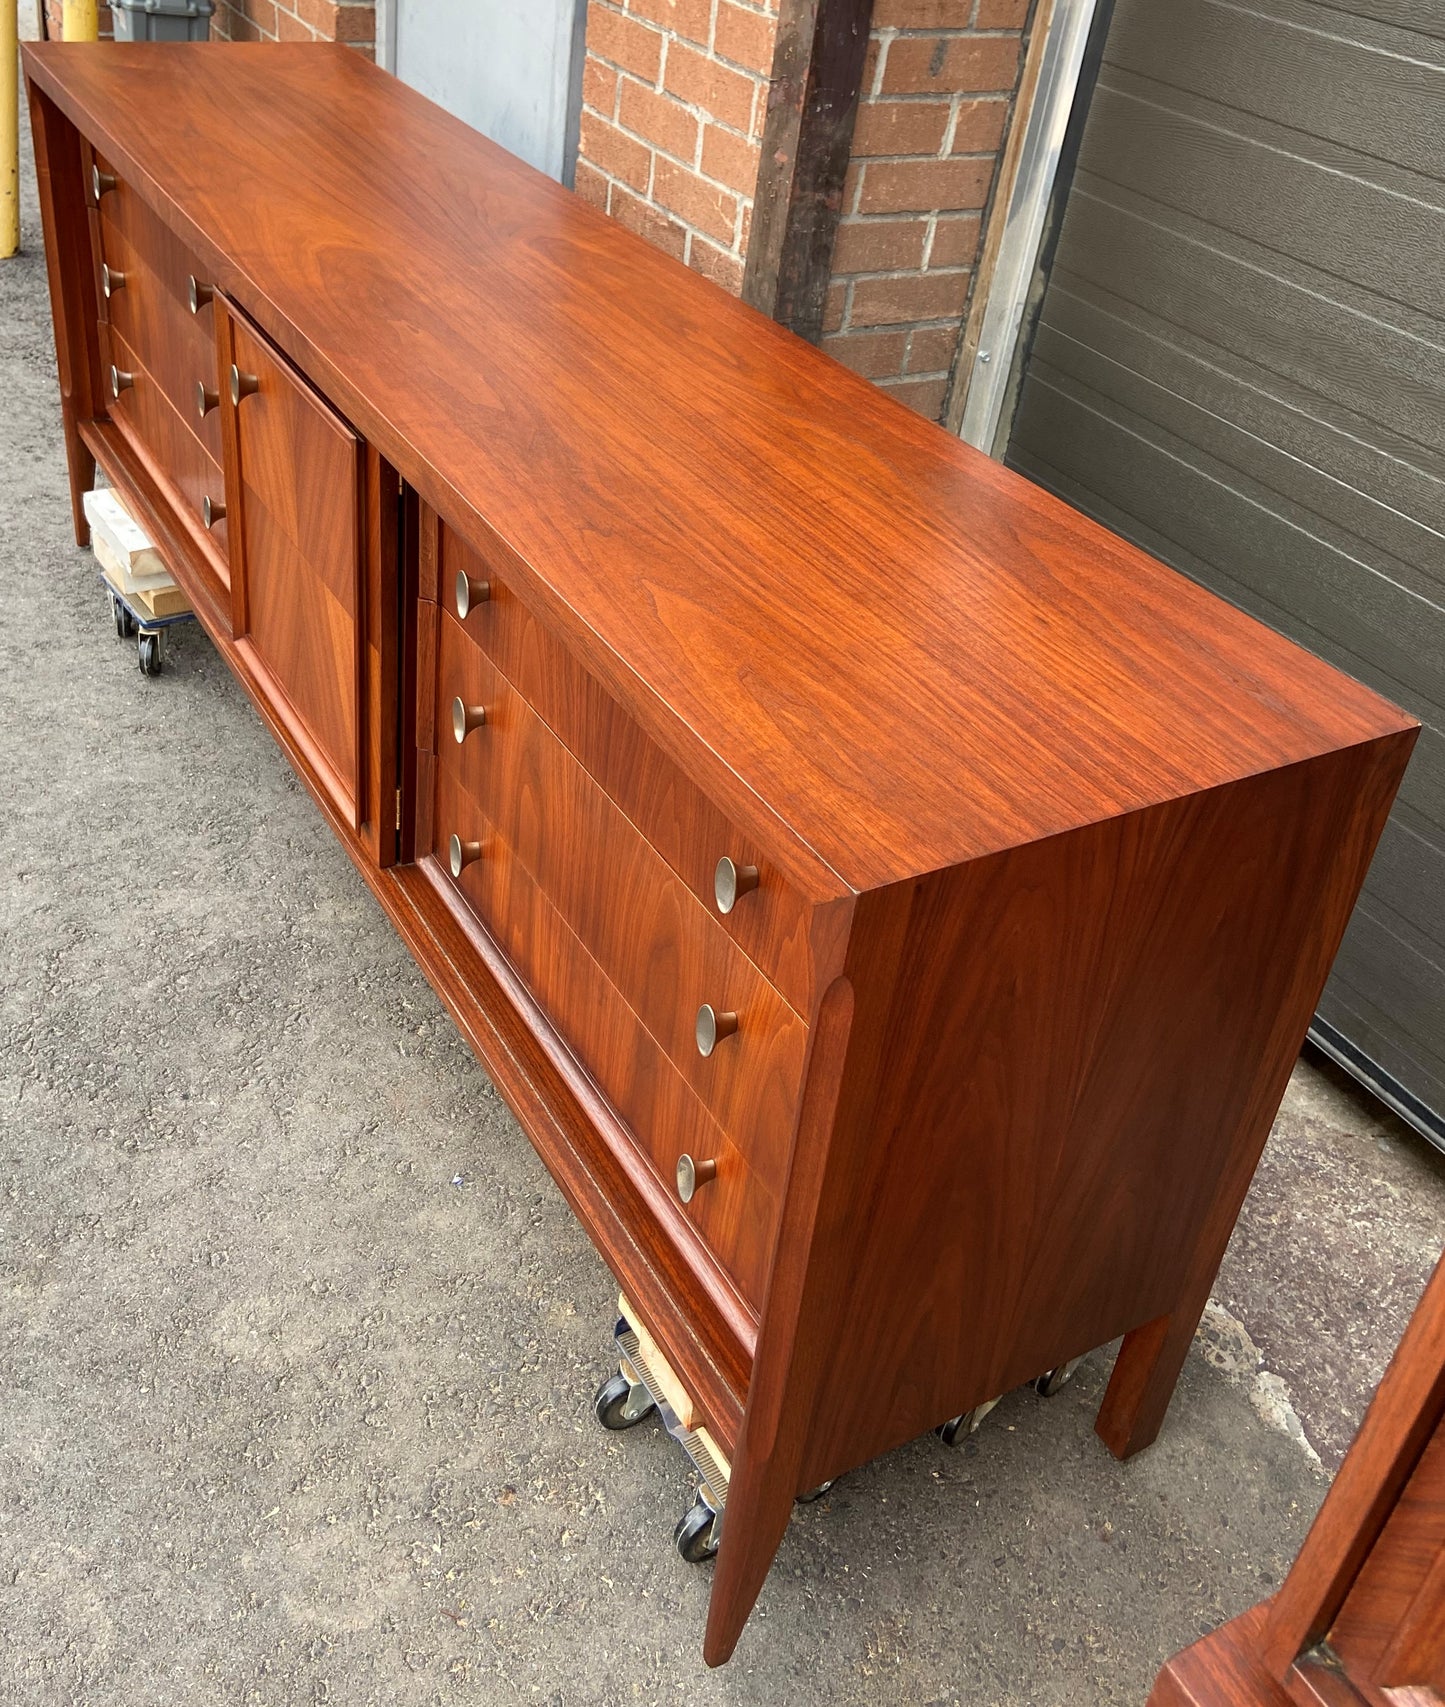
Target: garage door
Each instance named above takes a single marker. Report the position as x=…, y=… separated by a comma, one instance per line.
x=1239, y=362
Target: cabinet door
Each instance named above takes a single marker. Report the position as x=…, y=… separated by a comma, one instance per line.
x=294, y=491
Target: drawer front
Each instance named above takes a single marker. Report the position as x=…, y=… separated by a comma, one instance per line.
x=735, y=1214
x=652, y=937
x=150, y=303
x=294, y=490
x=771, y=922
x=149, y=311
x=176, y=455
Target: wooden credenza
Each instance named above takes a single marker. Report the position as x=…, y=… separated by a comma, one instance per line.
x=1360, y=1619
x=767, y=782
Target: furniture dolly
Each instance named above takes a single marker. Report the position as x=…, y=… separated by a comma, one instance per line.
x=890, y=903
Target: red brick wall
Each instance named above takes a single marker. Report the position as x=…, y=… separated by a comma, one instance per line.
x=674, y=95
x=936, y=97
x=352, y=21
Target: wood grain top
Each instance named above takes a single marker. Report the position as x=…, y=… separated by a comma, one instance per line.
x=863, y=637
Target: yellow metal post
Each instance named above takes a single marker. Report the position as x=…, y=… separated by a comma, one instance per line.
x=9, y=127
x=80, y=20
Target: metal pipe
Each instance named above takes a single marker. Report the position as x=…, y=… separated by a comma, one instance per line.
x=9, y=127
x=80, y=20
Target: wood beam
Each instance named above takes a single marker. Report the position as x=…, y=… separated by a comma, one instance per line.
x=807, y=139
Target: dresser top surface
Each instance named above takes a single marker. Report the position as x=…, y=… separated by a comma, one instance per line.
x=856, y=630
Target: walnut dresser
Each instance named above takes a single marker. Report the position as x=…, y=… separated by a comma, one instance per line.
x=890, y=903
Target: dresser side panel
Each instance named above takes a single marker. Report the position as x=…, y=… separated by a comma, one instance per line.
x=1088, y=1041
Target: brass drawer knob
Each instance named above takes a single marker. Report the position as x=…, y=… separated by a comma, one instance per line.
x=461, y=854
x=242, y=385
x=692, y=1175
x=211, y=511
x=712, y=1027
x=206, y=399
x=466, y=717
x=111, y=280
x=120, y=380
x=469, y=592
x=101, y=183
x=730, y=882
x=198, y=294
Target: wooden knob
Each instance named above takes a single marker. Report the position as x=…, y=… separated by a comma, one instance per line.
x=120, y=380
x=101, y=183
x=731, y=881
x=198, y=294
x=461, y=854
x=206, y=399
x=692, y=1175
x=466, y=717
x=211, y=511
x=469, y=592
x=111, y=280
x=242, y=385
x=712, y=1027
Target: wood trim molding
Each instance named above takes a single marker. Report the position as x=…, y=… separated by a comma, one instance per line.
x=807, y=140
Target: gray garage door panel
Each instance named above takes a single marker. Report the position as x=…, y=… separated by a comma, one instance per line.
x=1239, y=362
x=1369, y=494
x=1339, y=345
x=1285, y=68
x=1421, y=17
x=1376, y=1036
x=1223, y=518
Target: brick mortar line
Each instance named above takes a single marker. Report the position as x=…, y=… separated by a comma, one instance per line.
x=691, y=107
x=908, y=214
x=656, y=148
x=890, y=33
x=932, y=97
x=924, y=272
x=661, y=208
x=891, y=328
x=864, y=161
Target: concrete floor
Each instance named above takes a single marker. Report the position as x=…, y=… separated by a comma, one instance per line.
x=298, y=1341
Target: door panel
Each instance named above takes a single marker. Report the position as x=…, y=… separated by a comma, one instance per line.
x=294, y=490
x=512, y=72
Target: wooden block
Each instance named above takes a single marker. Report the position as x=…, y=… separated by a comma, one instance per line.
x=163, y=601
x=121, y=542
x=661, y=1370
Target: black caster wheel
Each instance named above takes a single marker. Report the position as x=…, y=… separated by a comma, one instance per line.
x=695, y=1535
x=124, y=621
x=150, y=654
x=958, y=1429
x=1055, y=1380
x=620, y=1405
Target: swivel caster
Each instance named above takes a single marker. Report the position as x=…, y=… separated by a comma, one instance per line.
x=1053, y=1380
x=696, y=1534
x=960, y=1427
x=621, y=1403
x=124, y=621
x=150, y=654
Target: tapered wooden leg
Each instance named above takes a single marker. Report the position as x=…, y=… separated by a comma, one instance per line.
x=1143, y=1381
x=752, y=1534
x=81, y=465
x=65, y=219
